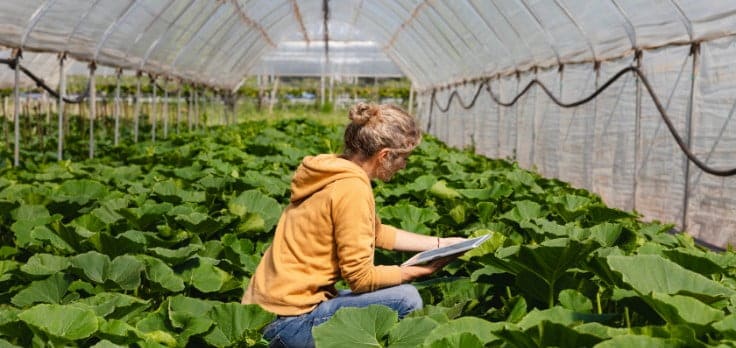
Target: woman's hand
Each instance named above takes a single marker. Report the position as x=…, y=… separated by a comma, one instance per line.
x=409, y=273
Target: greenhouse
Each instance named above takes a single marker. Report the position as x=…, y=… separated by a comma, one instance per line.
x=148, y=149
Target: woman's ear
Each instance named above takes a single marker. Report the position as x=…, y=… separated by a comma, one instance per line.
x=383, y=154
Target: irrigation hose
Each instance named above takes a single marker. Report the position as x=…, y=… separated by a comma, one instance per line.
x=660, y=108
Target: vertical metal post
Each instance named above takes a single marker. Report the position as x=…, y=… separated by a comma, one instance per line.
x=116, y=110
x=137, y=108
x=695, y=52
x=221, y=99
x=92, y=109
x=16, y=108
x=411, y=98
x=6, y=137
x=190, y=109
x=637, y=128
x=152, y=116
x=62, y=93
x=322, y=88
x=178, y=107
x=165, y=105
x=196, y=108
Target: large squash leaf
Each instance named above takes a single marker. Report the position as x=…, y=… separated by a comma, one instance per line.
x=65, y=321
x=356, y=327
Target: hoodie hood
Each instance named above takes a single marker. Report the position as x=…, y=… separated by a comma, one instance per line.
x=316, y=172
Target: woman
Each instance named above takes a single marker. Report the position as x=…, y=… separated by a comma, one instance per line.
x=330, y=229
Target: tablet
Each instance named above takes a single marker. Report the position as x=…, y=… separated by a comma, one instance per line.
x=457, y=248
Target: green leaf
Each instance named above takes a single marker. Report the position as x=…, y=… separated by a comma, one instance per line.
x=117, y=330
x=160, y=273
x=126, y=271
x=665, y=276
x=575, y=301
x=182, y=309
x=7, y=268
x=480, y=328
x=410, y=217
x=524, y=211
x=49, y=290
x=628, y=341
x=356, y=327
x=80, y=192
x=167, y=190
x=680, y=309
x=540, y=268
x=488, y=247
x=411, y=332
x=727, y=326
x=559, y=335
x=606, y=234
x=65, y=321
x=45, y=264
x=114, y=305
x=176, y=256
x=464, y=340
x=253, y=201
x=559, y=315
x=107, y=213
x=237, y=322
x=441, y=190
x=202, y=273
x=43, y=233
x=94, y=265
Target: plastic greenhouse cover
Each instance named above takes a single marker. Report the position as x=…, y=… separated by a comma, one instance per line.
x=434, y=43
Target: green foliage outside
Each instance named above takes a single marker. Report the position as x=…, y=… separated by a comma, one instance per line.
x=152, y=245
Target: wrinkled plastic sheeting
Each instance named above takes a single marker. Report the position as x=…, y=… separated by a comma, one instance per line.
x=625, y=155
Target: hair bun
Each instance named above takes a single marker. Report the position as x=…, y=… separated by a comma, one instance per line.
x=361, y=113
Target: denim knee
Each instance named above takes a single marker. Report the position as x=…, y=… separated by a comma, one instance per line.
x=412, y=300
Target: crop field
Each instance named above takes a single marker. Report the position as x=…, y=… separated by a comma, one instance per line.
x=152, y=245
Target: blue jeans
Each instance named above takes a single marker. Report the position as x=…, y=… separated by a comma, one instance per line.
x=296, y=331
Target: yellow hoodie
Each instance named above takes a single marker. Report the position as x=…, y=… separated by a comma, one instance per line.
x=328, y=231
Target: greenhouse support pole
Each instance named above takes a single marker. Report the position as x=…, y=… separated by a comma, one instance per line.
x=152, y=116
x=637, y=128
x=223, y=114
x=518, y=117
x=165, y=105
x=137, y=107
x=116, y=109
x=190, y=108
x=695, y=52
x=178, y=108
x=92, y=109
x=411, y=98
x=16, y=108
x=196, y=108
x=46, y=107
x=274, y=94
x=332, y=89
x=322, y=88
x=499, y=109
x=62, y=92
x=6, y=136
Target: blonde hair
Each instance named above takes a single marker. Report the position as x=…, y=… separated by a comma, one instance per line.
x=374, y=127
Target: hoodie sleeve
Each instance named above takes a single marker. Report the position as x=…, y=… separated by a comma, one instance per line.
x=355, y=228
